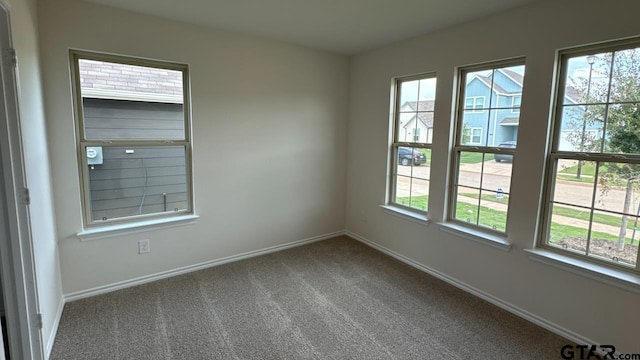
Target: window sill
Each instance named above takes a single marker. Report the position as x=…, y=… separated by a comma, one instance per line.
x=136, y=227
x=406, y=214
x=621, y=279
x=498, y=242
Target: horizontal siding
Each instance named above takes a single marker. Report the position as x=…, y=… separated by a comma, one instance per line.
x=147, y=209
x=106, y=119
x=135, y=182
x=128, y=184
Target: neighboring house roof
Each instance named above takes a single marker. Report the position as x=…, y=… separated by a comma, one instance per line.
x=422, y=105
x=572, y=94
x=129, y=82
x=426, y=118
x=497, y=88
x=517, y=78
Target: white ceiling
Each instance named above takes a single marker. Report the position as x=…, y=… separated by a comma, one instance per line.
x=343, y=26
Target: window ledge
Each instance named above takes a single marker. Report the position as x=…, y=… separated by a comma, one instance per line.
x=406, y=214
x=496, y=241
x=621, y=279
x=135, y=227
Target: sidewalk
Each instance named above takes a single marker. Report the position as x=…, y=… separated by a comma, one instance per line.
x=564, y=220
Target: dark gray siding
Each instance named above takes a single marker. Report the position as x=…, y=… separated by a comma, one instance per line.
x=120, y=119
x=147, y=179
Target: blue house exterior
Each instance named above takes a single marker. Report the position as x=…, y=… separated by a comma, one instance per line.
x=491, y=117
x=491, y=114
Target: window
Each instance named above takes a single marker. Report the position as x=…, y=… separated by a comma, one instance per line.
x=484, y=147
x=133, y=134
x=472, y=136
x=412, y=135
x=474, y=103
x=515, y=103
x=592, y=191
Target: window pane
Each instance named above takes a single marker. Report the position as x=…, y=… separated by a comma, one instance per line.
x=516, y=101
x=412, y=177
x=424, y=127
x=587, y=83
x=506, y=81
x=569, y=228
x=402, y=191
x=574, y=182
x=406, y=126
x=493, y=210
x=496, y=177
x=582, y=128
x=123, y=101
x=611, y=236
x=466, y=206
x=419, y=194
x=470, y=169
x=427, y=91
x=474, y=127
x=625, y=82
x=618, y=188
x=409, y=95
x=477, y=87
x=129, y=181
x=623, y=128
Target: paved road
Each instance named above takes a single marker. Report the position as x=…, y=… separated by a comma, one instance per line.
x=498, y=175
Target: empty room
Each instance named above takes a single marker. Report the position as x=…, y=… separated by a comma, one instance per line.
x=279, y=179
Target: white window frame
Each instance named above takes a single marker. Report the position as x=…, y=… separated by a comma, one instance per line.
x=451, y=220
x=82, y=142
x=477, y=105
x=471, y=136
x=514, y=109
x=555, y=155
x=396, y=121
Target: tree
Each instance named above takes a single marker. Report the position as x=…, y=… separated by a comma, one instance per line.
x=620, y=121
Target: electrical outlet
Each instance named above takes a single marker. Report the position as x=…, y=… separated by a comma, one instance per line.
x=143, y=246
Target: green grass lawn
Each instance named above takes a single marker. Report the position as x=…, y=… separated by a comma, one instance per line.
x=588, y=168
x=597, y=218
x=417, y=202
x=473, y=157
x=495, y=219
x=587, y=173
x=568, y=212
x=489, y=197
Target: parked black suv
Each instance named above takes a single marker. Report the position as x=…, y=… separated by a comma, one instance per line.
x=407, y=155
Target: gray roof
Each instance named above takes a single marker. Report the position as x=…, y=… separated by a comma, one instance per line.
x=108, y=76
x=514, y=75
x=422, y=105
x=426, y=118
x=425, y=111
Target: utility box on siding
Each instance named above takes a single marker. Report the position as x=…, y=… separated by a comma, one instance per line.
x=94, y=155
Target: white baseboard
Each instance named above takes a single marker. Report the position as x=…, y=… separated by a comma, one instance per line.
x=54, y=328
x=190, y=268
x=535, y=319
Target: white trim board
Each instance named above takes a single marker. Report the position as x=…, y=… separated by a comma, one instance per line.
x=191, y=268
x=54, y=329
x=535, y=319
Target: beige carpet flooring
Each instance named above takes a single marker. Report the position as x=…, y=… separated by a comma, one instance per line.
x=334, y=299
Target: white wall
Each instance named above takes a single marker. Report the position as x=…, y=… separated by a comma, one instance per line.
x=269, y=137
x=593, y=310
x=36, y=160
